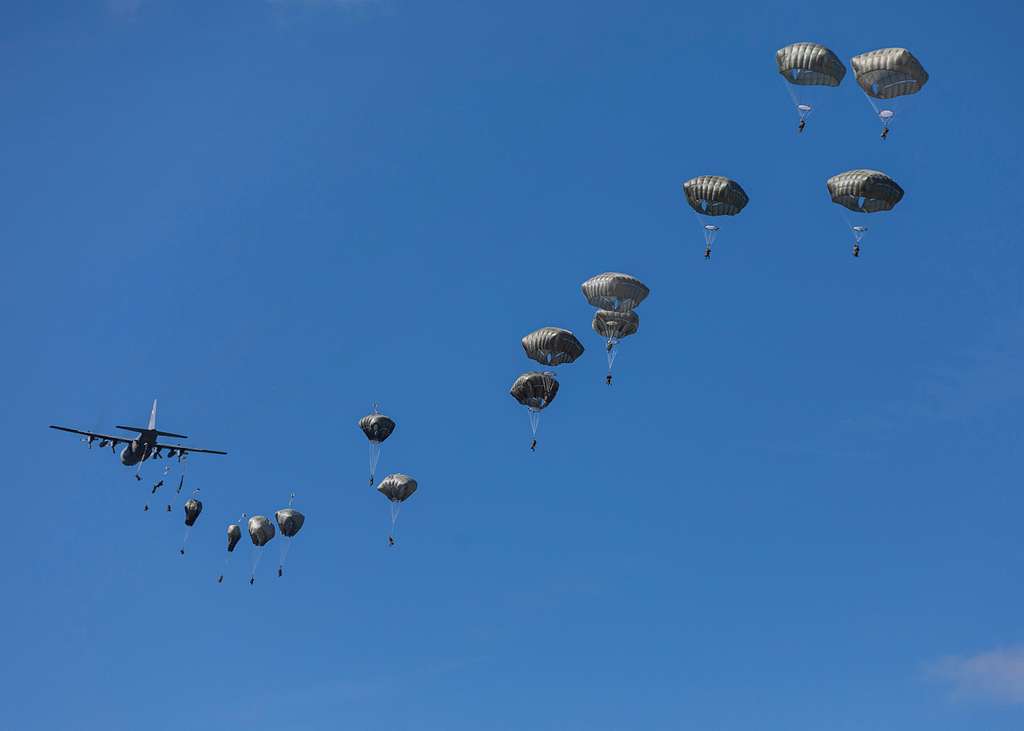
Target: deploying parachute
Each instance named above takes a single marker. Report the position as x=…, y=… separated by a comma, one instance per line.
x=289, y=521
x=613, y=326
x=806, y=66
x=886, y=74
x=711, y=196
x=234, y=536
x=863, y=191
x=397, y=488
x=615, y=296
x=552, y=346
x=192, y=510
x=535, y=391
x=261, y=531
x=377, y=428
x=614, y=291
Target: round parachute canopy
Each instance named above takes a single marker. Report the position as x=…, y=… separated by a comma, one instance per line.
x=552, y=346
x=290, y=521
x=261, y=530
x=616, y=325
x=614, y=291
x=713, y=195
x=376, y=427
x=234, y=536
x=192, y=510
x=864, y=191
x=889, y=72
x=397, y=487
x=535, y=390
x=809, y=64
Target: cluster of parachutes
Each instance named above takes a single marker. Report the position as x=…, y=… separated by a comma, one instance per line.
x=884, y=75
x=397, y=487
x=261, y=532
x=615, y=296
x=860, y=191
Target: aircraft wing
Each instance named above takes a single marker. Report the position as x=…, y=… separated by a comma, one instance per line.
x=118, y=439
x=185, y=450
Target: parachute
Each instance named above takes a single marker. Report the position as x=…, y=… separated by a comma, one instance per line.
x=614, y=291
x=289, y=521
x=377, y=428
x=887, y=74
x=261, y=531
x=863, y=191
x=192, y=510
x=712, y=196
x=613, y=326
x=552, y=346
x=804, y=66
x=535, y=391
x=234, y=536
x=397, y=488
x=615, y=296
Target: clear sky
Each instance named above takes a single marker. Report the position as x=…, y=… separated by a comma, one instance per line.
x=798, y=507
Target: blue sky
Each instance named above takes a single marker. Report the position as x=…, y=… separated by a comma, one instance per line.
x=797, y=507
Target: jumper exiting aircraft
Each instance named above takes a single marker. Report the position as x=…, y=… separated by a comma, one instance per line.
x=138, y=449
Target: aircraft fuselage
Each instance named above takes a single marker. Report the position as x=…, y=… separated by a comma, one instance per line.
x=139, y=449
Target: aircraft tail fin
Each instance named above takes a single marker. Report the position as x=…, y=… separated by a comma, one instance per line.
x=152, y=426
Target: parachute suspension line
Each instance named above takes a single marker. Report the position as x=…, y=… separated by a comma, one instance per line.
x=857, y=231
x=395, y=506
x=257, y=554
x=709, y=229
x=284, y=555
x=885, y=115
x=803, y=109
x=183, y=459
x=374, y=458
x=534, y=420
x=611, y=351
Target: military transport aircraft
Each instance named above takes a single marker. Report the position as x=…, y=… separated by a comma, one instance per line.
x=138, y=449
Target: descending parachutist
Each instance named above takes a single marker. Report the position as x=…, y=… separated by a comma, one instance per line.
x=707, y=253
x=377, y=427
x=533, y=446
x=397, y=488
x=252, y=580
x=168, y=507
x=800, y=127
x=856, y=250
x=608, y=379
x=289, y=523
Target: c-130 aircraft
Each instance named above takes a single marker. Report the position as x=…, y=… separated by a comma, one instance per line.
x=142, y=447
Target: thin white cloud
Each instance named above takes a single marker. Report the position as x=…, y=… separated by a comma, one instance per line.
x=996, y=675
